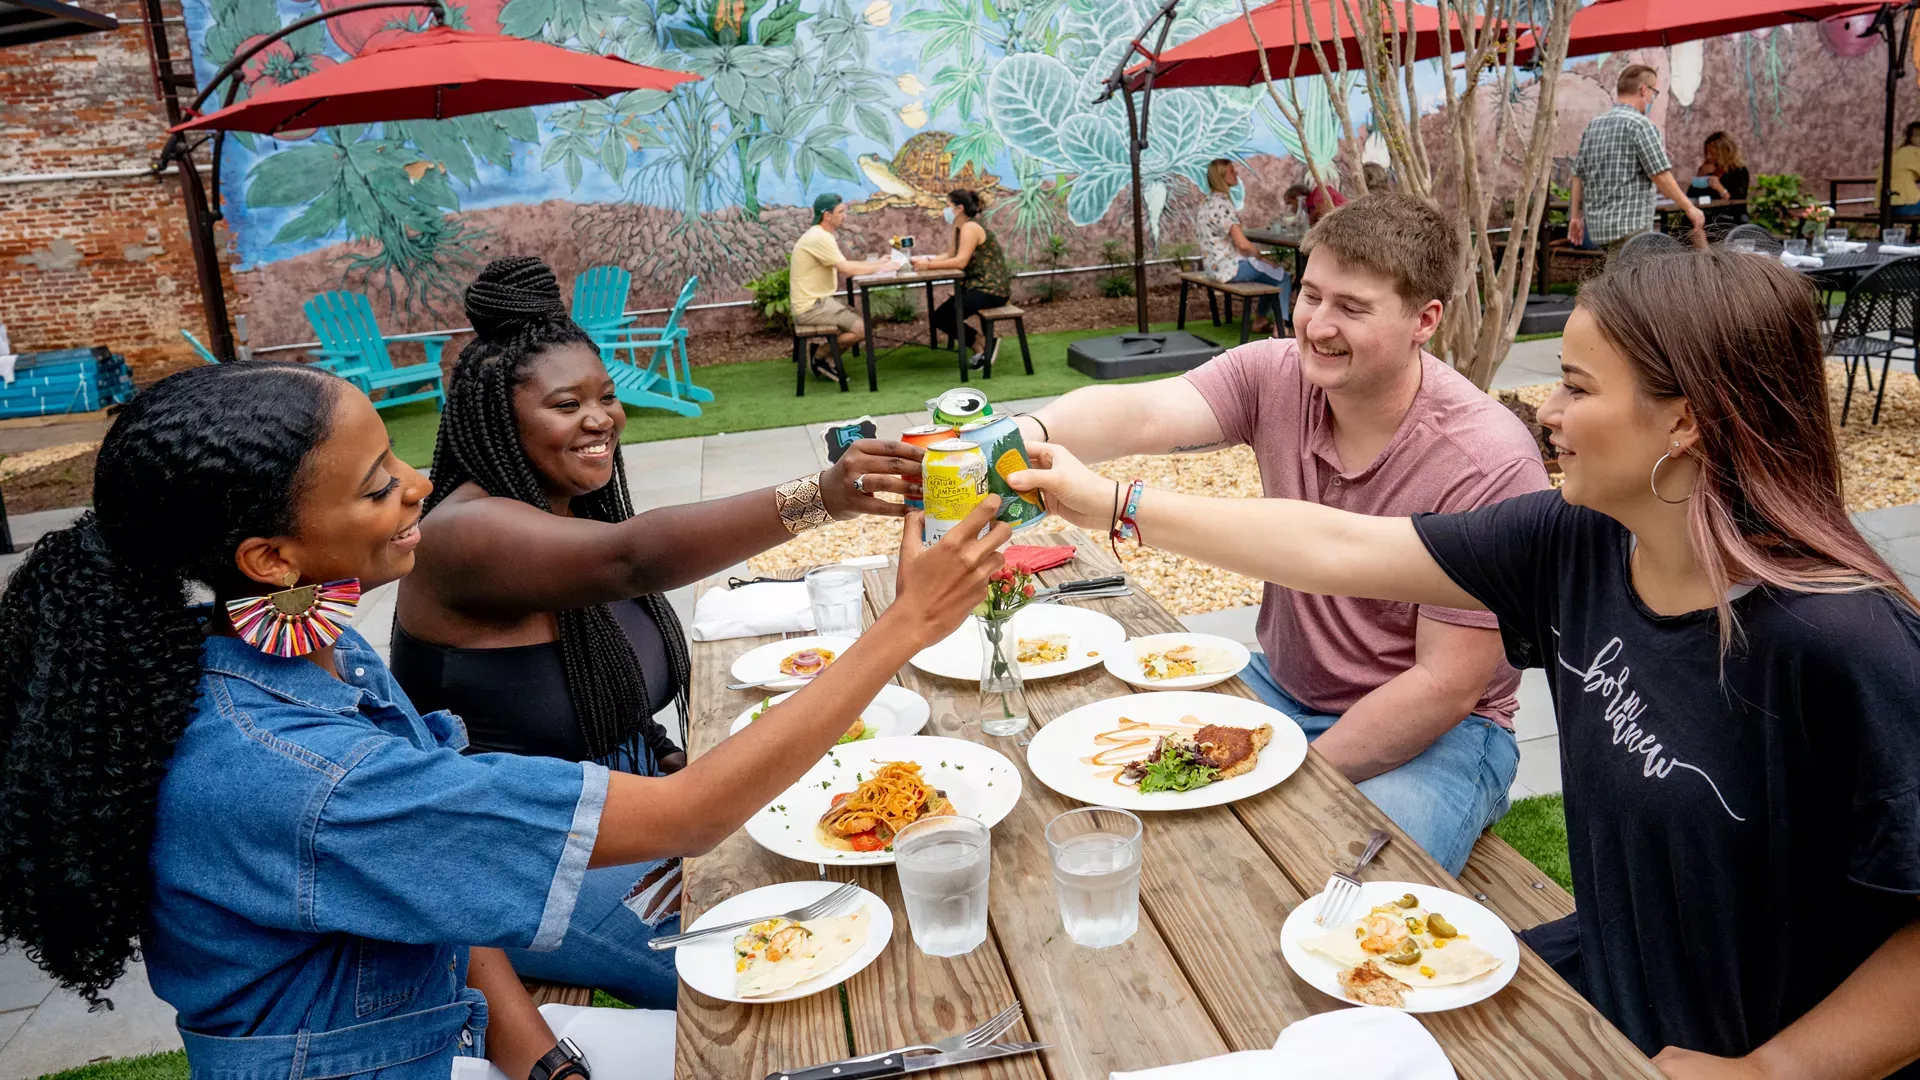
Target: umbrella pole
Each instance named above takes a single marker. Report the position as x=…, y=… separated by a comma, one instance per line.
x=1899, y=40
x=1139, y=217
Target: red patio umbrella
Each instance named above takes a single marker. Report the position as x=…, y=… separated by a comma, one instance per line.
x=435, y=74
x=1617, y=25
x=1226, y=56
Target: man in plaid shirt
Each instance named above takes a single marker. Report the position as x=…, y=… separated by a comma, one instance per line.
x=1621, y=164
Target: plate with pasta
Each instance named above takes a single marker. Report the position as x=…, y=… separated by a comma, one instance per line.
x=846, y=808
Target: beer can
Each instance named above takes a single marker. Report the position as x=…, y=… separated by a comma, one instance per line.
x=924, y=436
x=1006, y=452
x=960, y=405
x=954, y=480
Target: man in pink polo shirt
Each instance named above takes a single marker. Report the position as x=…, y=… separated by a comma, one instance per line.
x=1414, y=704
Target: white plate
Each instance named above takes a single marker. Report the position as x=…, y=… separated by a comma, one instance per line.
x=1058, y=752
x=1091, y=637
x=895, y=712
x=982, y=784
x=1481, y=926
x=1124, y=664
x=707, y=965
x=764, y=662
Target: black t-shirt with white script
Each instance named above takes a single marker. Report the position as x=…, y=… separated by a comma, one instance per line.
x=1742, y=837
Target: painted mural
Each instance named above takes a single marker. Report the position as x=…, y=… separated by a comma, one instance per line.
x=889, y=102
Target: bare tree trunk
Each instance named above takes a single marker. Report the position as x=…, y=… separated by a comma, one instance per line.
x=1485, y=313
x=1292, y=115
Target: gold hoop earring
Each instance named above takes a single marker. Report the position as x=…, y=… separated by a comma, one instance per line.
x=1653, y=481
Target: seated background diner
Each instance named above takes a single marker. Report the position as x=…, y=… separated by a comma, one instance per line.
x=1733, y=669
x=985, y=282
x=1722, y=175
x=535, y=610
x=1225, y=252
x=319, y=882
x=1905, y=197
x=1318, y=200
x=813, y=282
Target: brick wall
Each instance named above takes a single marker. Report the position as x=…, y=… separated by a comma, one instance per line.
x=98, y=261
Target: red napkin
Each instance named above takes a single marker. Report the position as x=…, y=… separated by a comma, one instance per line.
x=1035, y=559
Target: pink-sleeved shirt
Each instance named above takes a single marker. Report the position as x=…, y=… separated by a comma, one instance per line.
x=1458, y=448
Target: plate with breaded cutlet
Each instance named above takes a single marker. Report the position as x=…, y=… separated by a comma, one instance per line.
x=1178, y=750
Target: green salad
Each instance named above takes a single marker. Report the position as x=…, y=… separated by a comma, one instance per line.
x=1174, y=769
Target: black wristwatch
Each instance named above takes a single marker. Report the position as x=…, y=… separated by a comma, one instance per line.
x=563, y=1061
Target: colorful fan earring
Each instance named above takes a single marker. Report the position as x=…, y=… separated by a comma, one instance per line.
x=294, y=622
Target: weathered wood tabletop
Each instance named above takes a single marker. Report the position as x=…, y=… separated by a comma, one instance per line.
x=1203, y=975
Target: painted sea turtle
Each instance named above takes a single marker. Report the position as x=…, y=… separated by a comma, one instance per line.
x=921, y=174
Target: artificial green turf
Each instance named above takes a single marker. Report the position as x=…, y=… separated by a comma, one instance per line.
x=170, y=1066
x=1537, y=829
x=758, y=394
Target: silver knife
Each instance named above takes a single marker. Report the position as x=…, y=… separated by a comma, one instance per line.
x=903, y=1064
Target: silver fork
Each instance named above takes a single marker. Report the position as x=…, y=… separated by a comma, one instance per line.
x=819, y=907
x=1343, y=888
x=994, y=1027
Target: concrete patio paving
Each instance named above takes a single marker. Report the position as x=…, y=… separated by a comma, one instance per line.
x=43, y=1029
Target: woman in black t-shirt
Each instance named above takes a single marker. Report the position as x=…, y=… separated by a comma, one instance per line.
x=1723, y=175
x=1735, y=671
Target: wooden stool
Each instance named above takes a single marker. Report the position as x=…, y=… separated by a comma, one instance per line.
x=1247, y=291
x=1004, y=313
x=803, y=335
x=544, y=993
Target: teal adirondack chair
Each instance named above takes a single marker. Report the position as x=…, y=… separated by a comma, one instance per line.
x=657, y=385
x=205, y=353
x=352, y=346
x=600, y=298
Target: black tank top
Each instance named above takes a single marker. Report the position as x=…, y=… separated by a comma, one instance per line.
x=514, y=699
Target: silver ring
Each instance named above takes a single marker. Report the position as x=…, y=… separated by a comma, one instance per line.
x=860, y=483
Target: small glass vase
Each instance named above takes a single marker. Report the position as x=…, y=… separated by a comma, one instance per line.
x=1003, y=694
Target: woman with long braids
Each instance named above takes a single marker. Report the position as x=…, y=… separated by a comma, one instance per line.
x=1734, y=670
x=536, y=612
x=319, y=881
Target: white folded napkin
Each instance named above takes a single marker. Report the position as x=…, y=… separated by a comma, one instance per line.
x=1846, y=247
x=766, y=607
x=1801, y=261
x=1899, y=249
x=1346, y=1044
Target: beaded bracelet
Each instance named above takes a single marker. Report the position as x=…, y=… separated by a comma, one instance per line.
x=1124, y=526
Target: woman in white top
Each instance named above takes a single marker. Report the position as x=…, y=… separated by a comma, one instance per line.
x=1226, y=253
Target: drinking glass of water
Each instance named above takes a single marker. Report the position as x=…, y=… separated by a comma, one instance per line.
x=1836, y=236
x=1096, y=872
x=836, y=594
x=1893, y=234
x=1796, y=246
x=943, y=864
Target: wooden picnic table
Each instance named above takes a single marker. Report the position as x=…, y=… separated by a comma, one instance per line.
x=1202, y=976
x=860, y=298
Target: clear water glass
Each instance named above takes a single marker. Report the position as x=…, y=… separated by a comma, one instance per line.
x=837, y=595
x=1745, y=247
x=1893, y=234
x=1796, y=246
x=944, y=863
x=1096, y=874
x=1836, y=236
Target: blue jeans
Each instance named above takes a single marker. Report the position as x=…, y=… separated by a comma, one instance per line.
x=1269, y=305
x=1442, y=798
x=1911, y=210
x=605, y=945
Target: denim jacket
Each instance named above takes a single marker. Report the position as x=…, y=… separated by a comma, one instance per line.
x=323, y=855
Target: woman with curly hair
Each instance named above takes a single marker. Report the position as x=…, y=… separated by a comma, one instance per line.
x=319, y=881
x=536, y=613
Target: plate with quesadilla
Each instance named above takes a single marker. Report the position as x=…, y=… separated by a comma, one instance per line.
x=1403, y=945
x=1178, y=661
x=778, y=959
